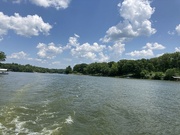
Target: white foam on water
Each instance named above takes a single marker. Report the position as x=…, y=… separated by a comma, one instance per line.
x=19, y=126
x=69, y=120
x=31, y=121
x=46, y=102
x=38, y=119
x=25, y=114
x=48, y=114
x=3, y=129
x=23, y=107
x=46, y=131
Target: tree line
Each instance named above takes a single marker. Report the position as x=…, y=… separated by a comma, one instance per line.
x=26, y=68
x=14, y=67
x=163, y=67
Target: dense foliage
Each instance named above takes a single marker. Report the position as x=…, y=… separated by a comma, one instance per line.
x=2, y=56
x=163, y=67
x=68, y=70
x=28, y=68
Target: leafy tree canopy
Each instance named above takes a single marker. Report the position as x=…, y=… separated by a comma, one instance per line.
x=163, y=67
x=2, y=56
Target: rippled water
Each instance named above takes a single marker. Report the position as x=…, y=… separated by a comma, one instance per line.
x=45, y=104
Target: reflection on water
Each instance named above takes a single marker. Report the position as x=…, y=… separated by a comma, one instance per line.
x=45, y=104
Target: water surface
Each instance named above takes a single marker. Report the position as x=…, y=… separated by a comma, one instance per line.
x=45, y=104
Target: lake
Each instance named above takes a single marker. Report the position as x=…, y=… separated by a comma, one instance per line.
x=55, y=104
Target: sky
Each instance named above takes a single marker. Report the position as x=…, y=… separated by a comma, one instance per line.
x=59, y=33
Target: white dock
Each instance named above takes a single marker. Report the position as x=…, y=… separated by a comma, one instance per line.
x=3, y=71
x=176, y=77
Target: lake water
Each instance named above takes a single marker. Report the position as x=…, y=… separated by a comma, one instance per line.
x=54, y=104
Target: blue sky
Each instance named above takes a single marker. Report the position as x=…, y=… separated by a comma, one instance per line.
x=58, y=33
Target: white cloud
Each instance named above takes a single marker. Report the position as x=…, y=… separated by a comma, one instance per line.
x=88, y=55
x=24, y=56
x=136, y=14
x=13, y=1
x=178, y=29
x=142, y=53
x=177, y=49
x=87, y=51
x=147, y=50
x=56, y=62
x=1, y=38
x=158, y=55
x=58, y=4
x=102, y=57
x=40, y=60
x=31, y=25
x=73, y=42
x=48, y=51
x=117, y=49
x=154, y=46
x=16, y=1
x=171, y=32
x=19, y=55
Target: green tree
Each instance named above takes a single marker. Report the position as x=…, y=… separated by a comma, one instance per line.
x=170, y=73
x=80, y=68
x=144, y=74
x=2, y=56
x=104, y=69
x=128, y=67
x=158, y=75
x=94, y=69
x=68, y=70
x=114, y=69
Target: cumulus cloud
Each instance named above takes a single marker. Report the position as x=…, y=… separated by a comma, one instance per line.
x=18, y=55
x=177, y=49
x=31, y=25
x=48, y=51
x=136, y=14
x=87, y=51
x=154, y=46
x=93, y=52
x=147, y=50
x=117, y=49
x=178, y=29
x=102, y=57
x=142, y=53
x=175, y=31
x=158, y=55
x=24, y=56
x=73, y=42
x=58, y=4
